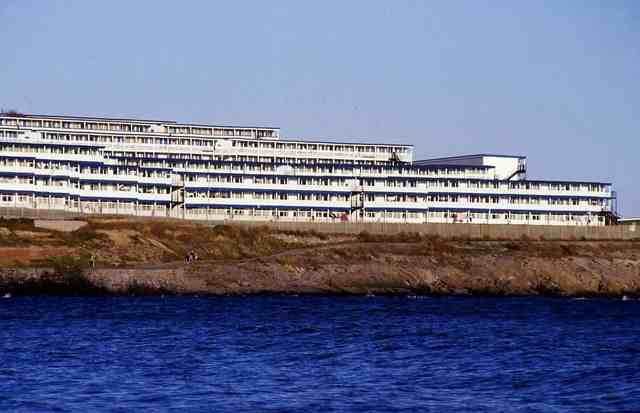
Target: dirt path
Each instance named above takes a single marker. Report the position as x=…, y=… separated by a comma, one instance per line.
x=295, y=251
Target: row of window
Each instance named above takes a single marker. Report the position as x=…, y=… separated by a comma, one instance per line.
x=73, y=124
x=280, y=166
x=207, y=131
x=62, y=150
x=369, y=198
x=135, y=127
x=276, y=180
x=211, y=143
x=303, y=168
x=320, y=147
x=478, y=217
x=395, y=183
x=396, y=198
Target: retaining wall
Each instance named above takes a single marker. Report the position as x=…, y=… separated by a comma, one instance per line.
x=478, y=231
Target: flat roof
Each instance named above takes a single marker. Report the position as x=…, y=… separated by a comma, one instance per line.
x=110, y=119
x=84, y=118
x=478, y=155
x=202, y=125
x=298, y=140
x=562, y=182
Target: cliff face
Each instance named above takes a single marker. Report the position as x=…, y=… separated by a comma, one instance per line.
x=383, y=268
x=143, y=258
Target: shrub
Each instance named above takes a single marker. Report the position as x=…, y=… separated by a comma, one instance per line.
x=366, y=236
x=84, y=235
x=513, y=246
x=20, y=224
x=68, y=265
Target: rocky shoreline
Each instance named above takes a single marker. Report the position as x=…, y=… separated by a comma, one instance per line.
x=425, y=267
x=147, y=257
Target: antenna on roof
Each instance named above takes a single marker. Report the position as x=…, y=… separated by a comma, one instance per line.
x=10, y=112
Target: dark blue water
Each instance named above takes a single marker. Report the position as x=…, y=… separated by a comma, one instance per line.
x=319, y=354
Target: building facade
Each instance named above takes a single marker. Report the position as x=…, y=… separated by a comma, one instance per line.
x=208, y=172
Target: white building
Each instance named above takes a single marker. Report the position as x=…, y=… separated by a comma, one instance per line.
x=164, y=168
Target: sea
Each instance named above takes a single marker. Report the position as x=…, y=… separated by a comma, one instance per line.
x=319, y=354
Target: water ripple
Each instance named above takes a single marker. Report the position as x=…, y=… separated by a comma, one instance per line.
x=319, y=354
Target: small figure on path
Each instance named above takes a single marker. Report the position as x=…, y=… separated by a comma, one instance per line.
x=191, y=257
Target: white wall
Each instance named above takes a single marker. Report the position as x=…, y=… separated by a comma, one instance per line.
x=504, y=166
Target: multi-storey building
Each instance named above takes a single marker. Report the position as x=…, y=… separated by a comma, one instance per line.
x=207, y=172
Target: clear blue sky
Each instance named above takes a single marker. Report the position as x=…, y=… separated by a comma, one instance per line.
x=558, y=81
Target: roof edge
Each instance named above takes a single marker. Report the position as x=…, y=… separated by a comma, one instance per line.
x=476, y=155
